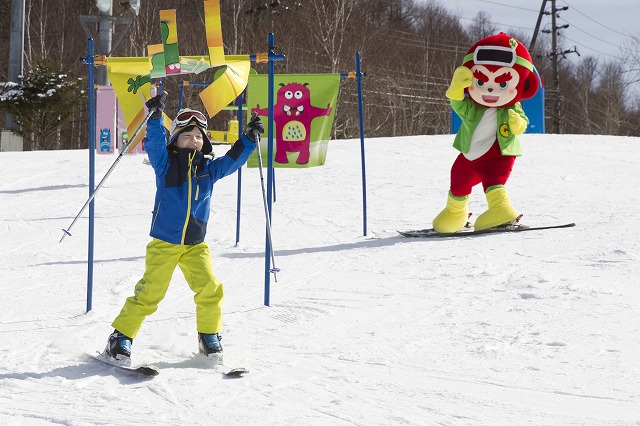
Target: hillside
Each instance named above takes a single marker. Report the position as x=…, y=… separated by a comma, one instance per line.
x=535, y=328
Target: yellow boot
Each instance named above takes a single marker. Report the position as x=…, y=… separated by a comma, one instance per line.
x=454, y=216
x=500, y=209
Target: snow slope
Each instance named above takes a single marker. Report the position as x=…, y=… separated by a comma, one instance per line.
x=537, y=328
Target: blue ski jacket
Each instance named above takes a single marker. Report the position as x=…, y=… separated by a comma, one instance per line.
x=184, y=182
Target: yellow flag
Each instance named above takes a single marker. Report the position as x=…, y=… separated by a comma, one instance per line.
x=226, y=88
x=213, y=25
x=127, y=77
x=131, y=77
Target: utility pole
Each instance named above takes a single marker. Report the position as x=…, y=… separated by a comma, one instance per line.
x=106, y=23
x=554, y=69
x=16, y=50
x=537, y=28
x=554, y=54
x=105, y=35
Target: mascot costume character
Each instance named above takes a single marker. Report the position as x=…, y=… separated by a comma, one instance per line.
x=495, y=75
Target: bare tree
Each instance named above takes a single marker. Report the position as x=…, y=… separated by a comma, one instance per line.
x=582, y=86
x=611, y=95
x=328, y=28
x=409, y=50
x=481, y=26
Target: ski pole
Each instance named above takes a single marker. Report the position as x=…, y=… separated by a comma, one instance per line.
x=113, y=166
x=273, y=270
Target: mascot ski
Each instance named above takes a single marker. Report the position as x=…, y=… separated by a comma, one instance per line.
x=496, y=74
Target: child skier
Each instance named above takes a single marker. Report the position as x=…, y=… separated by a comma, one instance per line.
x=185, y=174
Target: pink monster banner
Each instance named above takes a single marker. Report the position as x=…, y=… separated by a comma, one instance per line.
x=304, y=108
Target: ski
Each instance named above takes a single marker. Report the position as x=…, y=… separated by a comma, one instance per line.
x=143, y=370
x=469, y=232
x=234, y=373
x=215, y=362
x=151, y=371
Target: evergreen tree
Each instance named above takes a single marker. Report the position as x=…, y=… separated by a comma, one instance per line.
x=42, y=101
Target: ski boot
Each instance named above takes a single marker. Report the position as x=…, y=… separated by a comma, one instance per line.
x=210, y=346
x=454, y=217
x=500, y=210
x=119, y=349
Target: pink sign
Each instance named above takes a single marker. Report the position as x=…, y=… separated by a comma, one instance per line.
x=105, y=120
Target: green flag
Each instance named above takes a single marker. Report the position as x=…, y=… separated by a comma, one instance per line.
x=304, y=107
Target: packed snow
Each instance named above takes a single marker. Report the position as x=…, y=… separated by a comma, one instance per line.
x=538, y=328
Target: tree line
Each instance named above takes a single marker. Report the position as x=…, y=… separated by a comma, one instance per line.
x=409, y=51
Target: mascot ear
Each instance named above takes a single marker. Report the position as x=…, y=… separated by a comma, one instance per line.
x=531, y=85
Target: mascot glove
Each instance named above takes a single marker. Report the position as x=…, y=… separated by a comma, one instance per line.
x=517, y=124
x=462, y=78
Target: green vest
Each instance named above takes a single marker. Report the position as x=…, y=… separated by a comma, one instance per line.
x=471, y=113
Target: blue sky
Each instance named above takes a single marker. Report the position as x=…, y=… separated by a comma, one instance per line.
x=596, y=27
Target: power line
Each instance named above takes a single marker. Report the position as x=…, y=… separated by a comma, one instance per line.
x=589, y=34
x=508, y=5
x=503, y=4
x=590, y=48
x=593, y=20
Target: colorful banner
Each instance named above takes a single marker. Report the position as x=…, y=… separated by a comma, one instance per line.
x=123, y=134
x=304, y=108
x=131, y=77
x=169, y=34
x=132, y=93
x=226, y=88
x=213, y=25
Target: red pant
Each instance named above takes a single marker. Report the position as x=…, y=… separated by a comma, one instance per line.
x=491, y=169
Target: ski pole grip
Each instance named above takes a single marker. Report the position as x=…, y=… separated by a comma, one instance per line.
x=256, y=133
x=163, y=98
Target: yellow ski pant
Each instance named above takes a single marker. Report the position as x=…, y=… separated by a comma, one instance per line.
x=161, y=260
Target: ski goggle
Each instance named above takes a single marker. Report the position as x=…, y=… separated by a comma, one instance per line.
x=185, y=118
x=497, y=55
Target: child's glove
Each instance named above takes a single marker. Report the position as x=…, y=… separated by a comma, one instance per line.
x=462, y=78
x=157, y=104
x=517, y=124
x=254, y=126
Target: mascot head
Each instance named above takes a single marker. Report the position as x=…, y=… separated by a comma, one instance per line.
x=503, y=72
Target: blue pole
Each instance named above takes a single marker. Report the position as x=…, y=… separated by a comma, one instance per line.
x=92, y=166
x=181, y=93
x=239, y=196
x=361, y=117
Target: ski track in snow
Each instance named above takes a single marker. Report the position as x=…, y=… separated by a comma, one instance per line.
x=538, y=328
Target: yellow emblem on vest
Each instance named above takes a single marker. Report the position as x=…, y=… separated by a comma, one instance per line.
x=504, y=130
